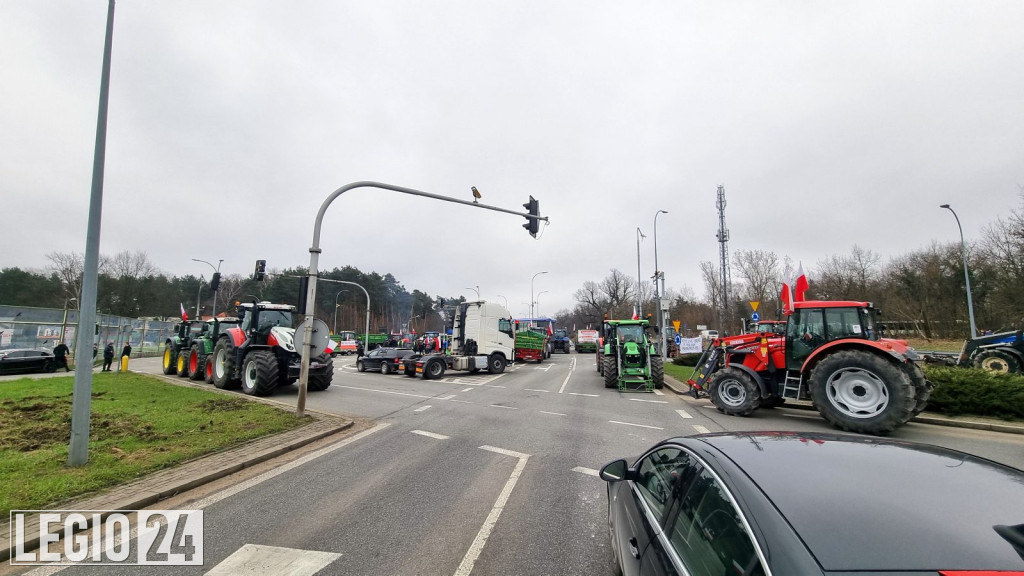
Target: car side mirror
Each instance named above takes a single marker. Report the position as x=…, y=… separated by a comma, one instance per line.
x=615, y=471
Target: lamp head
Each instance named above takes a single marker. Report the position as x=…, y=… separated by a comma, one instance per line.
x=944, y=206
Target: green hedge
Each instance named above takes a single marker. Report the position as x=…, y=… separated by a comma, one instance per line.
x=686, y=359
x=970, y=391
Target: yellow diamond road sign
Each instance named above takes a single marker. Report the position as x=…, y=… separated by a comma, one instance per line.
x=754, y=304
x=676, y=324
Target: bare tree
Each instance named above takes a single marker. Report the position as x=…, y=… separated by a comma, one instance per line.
x=712, y=288
x=618, y=289
x=68, y=267
x=759, y=271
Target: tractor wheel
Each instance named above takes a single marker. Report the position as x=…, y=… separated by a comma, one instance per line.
x=610, y=370
x=196, y=364
x=320, y=382
x=170, y=366
x=385, y=367
x=922, y=387
x=997, y=361
x=495, y=364
x=600, y=364
x=433, y=369
x=858, y=391
x=182, y=364
x=208, y=369
x=658, y=371
x=259, y=373
x=224, y=365
x=734, y=392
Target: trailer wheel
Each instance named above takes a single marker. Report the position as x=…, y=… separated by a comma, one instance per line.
x=658, y=371
x=196, y=363
x=734, y=392
x=858, y=391
x=321, y=382
x=224, y=365
x=495, y=364
x=169, y=364
x=610, y=370
x=259, y=373
x=433, y=369
x=997, y=361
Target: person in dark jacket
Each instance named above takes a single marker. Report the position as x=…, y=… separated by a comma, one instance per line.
x=60, y=355
x=108, y=356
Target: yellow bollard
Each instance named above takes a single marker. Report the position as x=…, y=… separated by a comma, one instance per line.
x=124, y=363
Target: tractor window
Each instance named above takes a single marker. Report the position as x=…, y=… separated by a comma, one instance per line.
x=271, y=318
x=844, y=323
x=631, y=333
x=804, y=333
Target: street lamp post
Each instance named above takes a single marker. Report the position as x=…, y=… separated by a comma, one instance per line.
x=531, y=294
x=340, y=292
x=639, y=281
x=658, y=295
x=199, y=294
x=505, y=299
x=477, y=289
x=967, y=277
x=538, y=300
x=216, y=271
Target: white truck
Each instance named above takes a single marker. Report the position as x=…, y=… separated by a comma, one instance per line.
x=483, y=338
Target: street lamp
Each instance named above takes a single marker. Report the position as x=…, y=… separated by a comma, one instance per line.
x=477, y=291
x=967, y=277
x=216, y=271
x=639, y=282
x=659, y=295
x=340, y=292
x=531, y=294
x=538, y=300
x=505, y=299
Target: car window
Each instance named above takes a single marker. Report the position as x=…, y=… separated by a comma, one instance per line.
x=656, y=475
x=707, y=533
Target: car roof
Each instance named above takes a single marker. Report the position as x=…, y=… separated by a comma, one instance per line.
x=863, y=503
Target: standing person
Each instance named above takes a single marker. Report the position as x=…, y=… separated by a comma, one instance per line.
x=95, y=350
x=108, y=356
x=60, y=354
x=125, y=352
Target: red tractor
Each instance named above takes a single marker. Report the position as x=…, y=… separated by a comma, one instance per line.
x=259, y=354
x=830, y=353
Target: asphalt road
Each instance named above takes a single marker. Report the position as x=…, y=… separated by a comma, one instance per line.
x=484, y=474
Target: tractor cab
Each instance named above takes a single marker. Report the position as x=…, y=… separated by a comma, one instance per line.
x=264, y=316
x=814, y=324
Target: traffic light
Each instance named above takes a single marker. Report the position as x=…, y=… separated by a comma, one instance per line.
x=215, y=281
x=261, y=270
x=532, y=221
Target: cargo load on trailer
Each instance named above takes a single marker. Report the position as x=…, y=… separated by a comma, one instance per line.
x=586, y=340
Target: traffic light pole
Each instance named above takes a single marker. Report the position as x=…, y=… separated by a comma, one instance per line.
x=314, y=257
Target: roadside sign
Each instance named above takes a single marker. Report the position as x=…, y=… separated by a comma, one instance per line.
x=676, y=324
x=755, y=317
x=679, y=340
x=754, y=304
x=702, y=327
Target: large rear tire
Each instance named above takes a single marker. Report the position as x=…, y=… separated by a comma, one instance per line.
x=610, y=370
x=858, y=391
x=658, y=371
x=224, y=365
x=196, y=364
x=997, y=361
x=259, y=373
x=922, y=387
x=170, y=359
x=734, y=392
x=320, y=382
x=495, y=364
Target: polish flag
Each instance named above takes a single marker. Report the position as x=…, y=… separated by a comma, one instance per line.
x=184, y=315
x=801, y=285
x=787, y=291
x=635, y=315
x=549, y=329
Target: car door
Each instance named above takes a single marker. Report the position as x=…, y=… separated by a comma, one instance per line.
x=373, y=359
x=639, y=517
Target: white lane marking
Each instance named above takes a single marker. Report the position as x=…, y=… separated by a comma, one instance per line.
x=466, y=567
x=572, y=368
x=462, y=401
x=552, y=413
x=684, y=413
x=587, y=471
x=638, y=425
x=422, y=408
x=500, y=406
x=535, y=390
x=579, y=394
x=430, y=434
x=544, y=368
x=470, y=389
x=388, y=392
x=493, y=386
x=700, y=429
x=257, y=559
x=448, y=397
x=658, y=392
x=651, y=401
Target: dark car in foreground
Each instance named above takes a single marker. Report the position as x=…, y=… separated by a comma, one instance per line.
x=25, y=360
x=383, y=359
x=764, y=503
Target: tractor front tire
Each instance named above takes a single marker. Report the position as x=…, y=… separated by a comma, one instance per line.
x=858, y=391
x=182, y=364
x=259, y=373
x=321, y=382
x=224, y=365
x=997, y=361
x=658, y=371
x=196, y=364
x=610, y=370
x=208, y=369
x=734, y=392
x=169, y=359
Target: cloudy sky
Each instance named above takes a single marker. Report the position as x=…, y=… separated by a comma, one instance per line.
x=828, y=123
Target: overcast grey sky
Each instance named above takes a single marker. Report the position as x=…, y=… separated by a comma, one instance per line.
x=829, y=124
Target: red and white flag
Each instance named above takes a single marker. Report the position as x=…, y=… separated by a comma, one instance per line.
x=549, y=329
x=184, y=315
x=786, y=295
x=635, y=315
x=794, y=288
x=800, y=287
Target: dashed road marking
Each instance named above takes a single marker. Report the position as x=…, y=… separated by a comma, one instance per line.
x=467, y=389
x=572, y=368
x=256, y=558
x=544, y=368
x=505, y=407
x=684, y=413
x=448, y=397
x=638, y=425
x=535, y=390
x=700, y=429
x=651, y=401
x=422, y=408
x=579, y=394
x=552, y=413
x=430, y=434
x=587, y=471
x=658, y=392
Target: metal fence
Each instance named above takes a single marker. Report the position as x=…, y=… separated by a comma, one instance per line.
x=43, y=328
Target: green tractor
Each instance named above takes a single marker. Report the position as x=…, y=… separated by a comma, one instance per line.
x=176, y=347
x=202, y=348
x=629, y=360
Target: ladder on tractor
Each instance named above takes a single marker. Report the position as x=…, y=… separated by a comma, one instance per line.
x=703, y=370
x=791, y=387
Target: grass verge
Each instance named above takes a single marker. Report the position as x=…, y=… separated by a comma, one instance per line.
x=139, y=424
x=681, y=373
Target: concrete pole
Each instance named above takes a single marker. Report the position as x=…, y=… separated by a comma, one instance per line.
x=639, y=280
x=659, y=295
x=967, y=277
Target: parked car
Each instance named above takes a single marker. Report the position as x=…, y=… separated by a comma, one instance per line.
x=26, y=360
x=763, y=503
x=383, y=359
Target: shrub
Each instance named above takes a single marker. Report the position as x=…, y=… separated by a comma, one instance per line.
x=971, y=391
x=686, y=359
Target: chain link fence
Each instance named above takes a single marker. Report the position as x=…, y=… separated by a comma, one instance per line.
x=44, y=328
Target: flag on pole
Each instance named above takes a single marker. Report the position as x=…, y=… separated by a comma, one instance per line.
x=800, y=286
x=635, y=315
x=786, y=295
x=184, y=315
x=549, y=329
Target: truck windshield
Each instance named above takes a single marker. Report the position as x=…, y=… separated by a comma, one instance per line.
x=631, y=333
